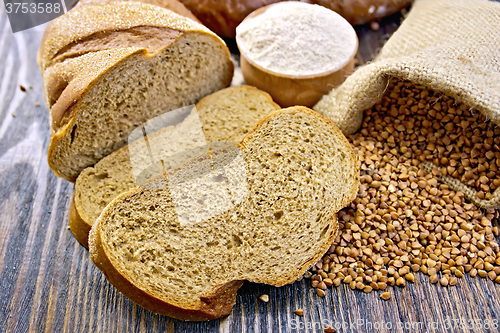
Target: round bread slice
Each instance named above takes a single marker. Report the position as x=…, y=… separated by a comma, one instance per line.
x=263, y=211
x=107, y=68
x=226, y=116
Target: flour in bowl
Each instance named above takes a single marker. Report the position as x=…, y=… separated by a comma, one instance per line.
x=297, y=39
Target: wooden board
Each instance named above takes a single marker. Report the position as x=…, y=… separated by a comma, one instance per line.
x=48, y=283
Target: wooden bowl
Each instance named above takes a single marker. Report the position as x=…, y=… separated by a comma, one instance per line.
x=289, y=90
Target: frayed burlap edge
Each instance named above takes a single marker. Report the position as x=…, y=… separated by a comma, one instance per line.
x=469, y=192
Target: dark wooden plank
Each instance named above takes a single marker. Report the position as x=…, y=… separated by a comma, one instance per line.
x=48, y=283
x=371, y=41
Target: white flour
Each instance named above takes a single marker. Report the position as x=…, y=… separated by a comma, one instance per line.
x=297, y=39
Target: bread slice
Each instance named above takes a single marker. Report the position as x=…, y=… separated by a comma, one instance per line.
x=107, y=68
x=226, y=115
x=264, y=211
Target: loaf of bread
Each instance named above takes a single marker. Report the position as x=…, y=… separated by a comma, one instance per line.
x=226, y=115
x=264, y=211
x=223, y=16
x=364, y=11
x=107, y=68
x=173, y=5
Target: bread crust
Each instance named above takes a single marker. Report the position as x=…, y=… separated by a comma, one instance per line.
x=172, y=5
x=117, y=16
x=78, y=226
x=208, y=99
x=215, y=305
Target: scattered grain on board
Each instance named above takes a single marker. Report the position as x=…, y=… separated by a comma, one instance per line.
x=385, y=295
x=23, y=89
x=453, y=281
x=264, y=298
x=405, y=219
x=329, y=329
x=444, y=281
x=299, y=312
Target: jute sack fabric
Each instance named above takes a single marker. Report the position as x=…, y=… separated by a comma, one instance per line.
x=450, y=46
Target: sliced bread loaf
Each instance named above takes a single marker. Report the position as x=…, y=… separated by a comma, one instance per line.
x=107, y=68
x=275, y=198
x=226, y=115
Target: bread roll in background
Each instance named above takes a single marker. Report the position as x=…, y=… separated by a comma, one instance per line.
x=173, y=5
x=223, y=16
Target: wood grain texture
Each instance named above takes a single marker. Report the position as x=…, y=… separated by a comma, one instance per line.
x=48, y=283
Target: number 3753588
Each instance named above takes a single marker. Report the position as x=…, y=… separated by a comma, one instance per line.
x=20, y=7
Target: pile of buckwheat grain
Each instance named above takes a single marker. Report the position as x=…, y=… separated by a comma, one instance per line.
x=405, y=220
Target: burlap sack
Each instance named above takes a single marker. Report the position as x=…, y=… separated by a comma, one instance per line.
x=451, y=46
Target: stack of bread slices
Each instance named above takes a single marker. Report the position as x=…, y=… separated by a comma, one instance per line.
x=258, y=204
